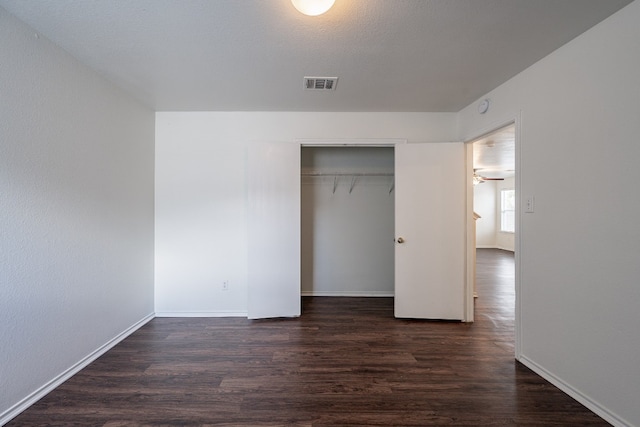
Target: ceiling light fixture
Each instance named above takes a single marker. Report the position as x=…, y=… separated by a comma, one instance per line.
x=477, y=179
x=313, y=7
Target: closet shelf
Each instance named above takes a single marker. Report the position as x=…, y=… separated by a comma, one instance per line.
x=347, y=173
x=353, y=176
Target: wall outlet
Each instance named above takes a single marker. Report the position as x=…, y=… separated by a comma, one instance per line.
x=225, y=285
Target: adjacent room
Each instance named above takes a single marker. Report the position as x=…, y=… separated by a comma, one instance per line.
x=241, y=212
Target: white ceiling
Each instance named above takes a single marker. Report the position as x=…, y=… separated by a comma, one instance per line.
x=252, y=55
x=494, y=155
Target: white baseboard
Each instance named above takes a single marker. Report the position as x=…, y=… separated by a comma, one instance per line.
x=594, y=406
x=201, y=314
x=347, y=294
x=45, y=389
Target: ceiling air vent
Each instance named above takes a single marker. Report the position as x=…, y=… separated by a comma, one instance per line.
x=320, y=83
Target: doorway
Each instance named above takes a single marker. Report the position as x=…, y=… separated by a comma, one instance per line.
x=495, y=205
x=347, y=221
x=429, y=208
x=494, y=189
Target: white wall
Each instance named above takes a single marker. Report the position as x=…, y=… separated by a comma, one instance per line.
x=577, y=115
x=347, y=236
x=484, y=204
x=504, y=240
x=76, y=229
x=201, y=192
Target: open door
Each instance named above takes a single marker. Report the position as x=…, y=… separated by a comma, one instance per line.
x=430, y=231
x=273, y=230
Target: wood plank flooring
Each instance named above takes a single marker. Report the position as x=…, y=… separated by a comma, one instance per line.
x=345, y=362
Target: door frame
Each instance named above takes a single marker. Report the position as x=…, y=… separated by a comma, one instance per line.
x=393, y=142
x=355, y=142
x=347, y=142
x=470, y=276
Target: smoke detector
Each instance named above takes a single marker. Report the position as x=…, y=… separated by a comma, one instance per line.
x=320, y=83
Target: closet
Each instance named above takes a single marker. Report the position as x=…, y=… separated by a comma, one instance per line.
x=347, y=221
x=338, y=242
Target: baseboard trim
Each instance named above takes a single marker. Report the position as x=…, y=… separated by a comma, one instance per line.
x=32, y=398
x=347, y=294
x=592, y=405
x=202, y=314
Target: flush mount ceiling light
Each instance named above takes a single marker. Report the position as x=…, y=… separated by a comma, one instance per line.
x=313, y=7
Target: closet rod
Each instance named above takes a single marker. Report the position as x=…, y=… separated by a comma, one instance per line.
x=347, y=174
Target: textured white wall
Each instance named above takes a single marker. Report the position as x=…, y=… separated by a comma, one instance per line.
x=577, y=112
x=484, y=204
x=347, y=237
x=76, y=229
x=201, y=237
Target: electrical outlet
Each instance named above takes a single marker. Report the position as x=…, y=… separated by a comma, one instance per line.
x=225, y=285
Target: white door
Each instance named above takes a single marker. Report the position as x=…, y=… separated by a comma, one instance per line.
x=273, y=230
x=430, y=230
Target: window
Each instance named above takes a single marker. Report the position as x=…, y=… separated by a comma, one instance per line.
x=508, y=211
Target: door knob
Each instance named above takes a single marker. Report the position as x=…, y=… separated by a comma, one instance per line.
x=400, y=240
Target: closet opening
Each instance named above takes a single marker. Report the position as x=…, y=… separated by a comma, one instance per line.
x=347, y=221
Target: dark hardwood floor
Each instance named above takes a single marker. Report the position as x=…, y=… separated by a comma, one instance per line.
x=345, y=362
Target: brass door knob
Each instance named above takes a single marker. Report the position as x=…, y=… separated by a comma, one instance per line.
x=400, y=240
